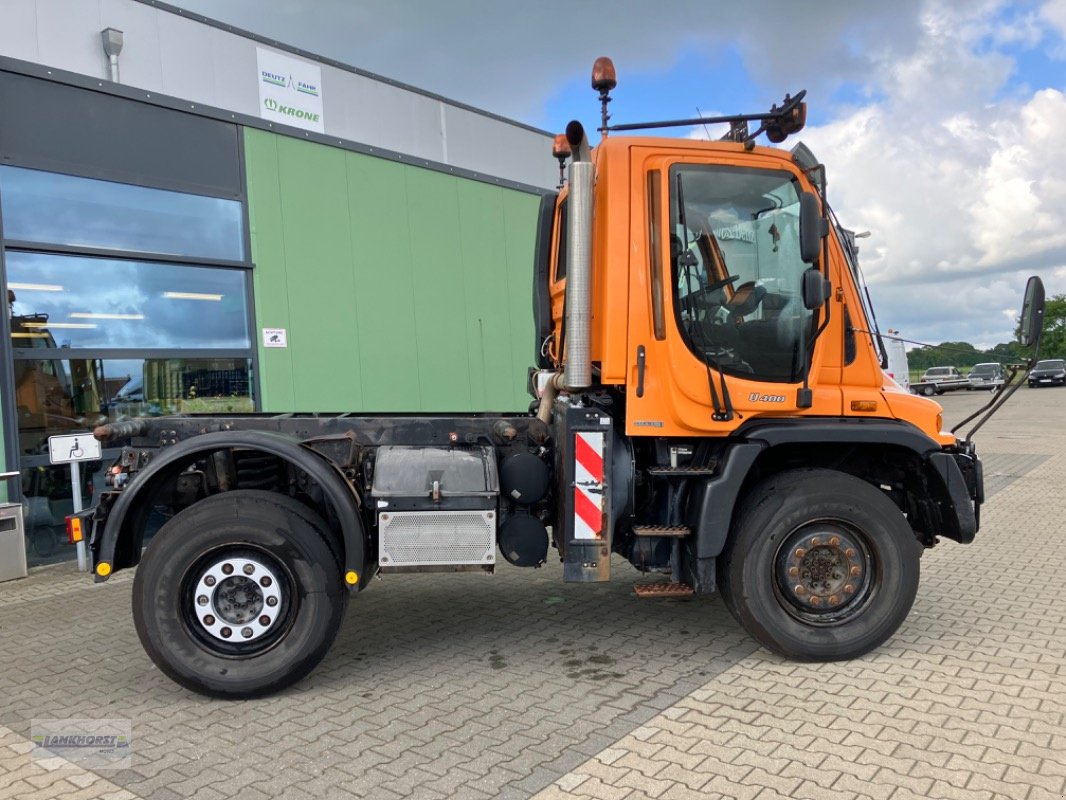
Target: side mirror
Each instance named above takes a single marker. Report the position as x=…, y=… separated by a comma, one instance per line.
x=1032, y=321
x=816, y=289
x=813, y=228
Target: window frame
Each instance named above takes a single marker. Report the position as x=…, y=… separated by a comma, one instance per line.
x=671, y=170
x=14, y=459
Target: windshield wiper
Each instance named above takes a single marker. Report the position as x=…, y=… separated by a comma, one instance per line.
x=723, y=411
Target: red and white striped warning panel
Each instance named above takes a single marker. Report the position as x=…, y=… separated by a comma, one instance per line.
x=588, y=485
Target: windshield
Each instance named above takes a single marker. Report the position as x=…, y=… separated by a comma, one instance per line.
x=736, y=269
x=1054, y=364
x=985, y=369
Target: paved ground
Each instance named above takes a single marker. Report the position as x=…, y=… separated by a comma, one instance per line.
x=519, y=685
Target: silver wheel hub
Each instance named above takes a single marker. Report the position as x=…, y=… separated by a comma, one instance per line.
x=237, y=599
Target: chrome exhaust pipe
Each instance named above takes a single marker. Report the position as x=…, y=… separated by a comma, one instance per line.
x=577, y=373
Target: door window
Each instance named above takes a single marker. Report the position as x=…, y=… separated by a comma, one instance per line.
x=736, y=270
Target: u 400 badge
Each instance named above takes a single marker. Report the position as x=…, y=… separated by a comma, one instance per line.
x=755, y=397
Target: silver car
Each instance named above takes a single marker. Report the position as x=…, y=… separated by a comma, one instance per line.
x=987, y=376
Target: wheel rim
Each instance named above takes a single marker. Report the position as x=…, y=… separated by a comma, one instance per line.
x=824, y=573
x=237, y=602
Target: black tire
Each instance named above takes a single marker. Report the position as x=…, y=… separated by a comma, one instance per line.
x=798, y=513
x=275, y=539
x=928, y=391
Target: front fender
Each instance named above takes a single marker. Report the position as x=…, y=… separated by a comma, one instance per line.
x=119, y=544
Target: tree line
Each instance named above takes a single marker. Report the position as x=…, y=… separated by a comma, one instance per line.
x=964, y=355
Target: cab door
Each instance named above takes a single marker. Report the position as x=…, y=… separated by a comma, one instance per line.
x=718, y=329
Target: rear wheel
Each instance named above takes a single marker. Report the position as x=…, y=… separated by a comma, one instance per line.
x=239, y=595
x=928, y=391
x=821, y=566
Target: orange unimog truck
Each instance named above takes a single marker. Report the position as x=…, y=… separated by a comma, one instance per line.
x=709, y=406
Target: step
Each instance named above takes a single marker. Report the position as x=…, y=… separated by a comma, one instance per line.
x=676, y=531
x=683, y=472
x=663, y=590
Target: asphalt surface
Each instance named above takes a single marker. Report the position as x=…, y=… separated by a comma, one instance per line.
x=519, y=685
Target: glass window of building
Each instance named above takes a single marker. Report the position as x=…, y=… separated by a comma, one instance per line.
x=108, y=321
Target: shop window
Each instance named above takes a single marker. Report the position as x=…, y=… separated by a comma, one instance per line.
x=78, y=212
x=123, y=301
x=86, y=302
x=55, y=396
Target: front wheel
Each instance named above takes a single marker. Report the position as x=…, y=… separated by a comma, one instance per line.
x=820, y=566
x=239, y=595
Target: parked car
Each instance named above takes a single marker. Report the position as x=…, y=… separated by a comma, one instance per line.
x=987, y=376
x=937, y=380
x=940, y=374
x=1048, y=373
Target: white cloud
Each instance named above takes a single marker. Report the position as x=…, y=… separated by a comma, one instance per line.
x=964, y=191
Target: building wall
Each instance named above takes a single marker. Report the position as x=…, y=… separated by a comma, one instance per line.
x=184, y=56
x=401, y=288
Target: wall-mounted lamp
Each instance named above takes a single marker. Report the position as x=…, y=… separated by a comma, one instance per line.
x=112, y=38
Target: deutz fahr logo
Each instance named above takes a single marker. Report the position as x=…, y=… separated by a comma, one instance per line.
x=288, y=83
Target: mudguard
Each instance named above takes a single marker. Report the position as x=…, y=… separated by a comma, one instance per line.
x=119, y=543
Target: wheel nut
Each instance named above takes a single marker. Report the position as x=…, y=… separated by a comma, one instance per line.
x=265, y=581
x=800, y=589
x=264, y=620
x=227, y=568
x=209, y=620
x=246, y=633
x=272, y=601
x=850, y=552
x=226, y=633
x=249, y=569
x=817, y=540
x=202, y=599
x=800, y=552
x=834, y=541
x=793, y=571
x=834, y=599
x=848, y=589
x=855, y=571
x=816, y=601
x=210, y=580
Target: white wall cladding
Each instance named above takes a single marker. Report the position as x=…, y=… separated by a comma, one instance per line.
x=176, y=55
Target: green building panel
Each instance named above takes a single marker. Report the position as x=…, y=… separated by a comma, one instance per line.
x=400, y=288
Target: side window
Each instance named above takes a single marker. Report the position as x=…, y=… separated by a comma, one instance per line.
x=736, y=269
x=849, y=339
x=560, y=248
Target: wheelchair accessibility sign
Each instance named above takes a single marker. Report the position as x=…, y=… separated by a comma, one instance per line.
x=73, y=447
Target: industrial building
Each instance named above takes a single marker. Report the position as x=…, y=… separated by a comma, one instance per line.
x=194, y=218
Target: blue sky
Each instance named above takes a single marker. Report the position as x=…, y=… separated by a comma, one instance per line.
x=941, y=122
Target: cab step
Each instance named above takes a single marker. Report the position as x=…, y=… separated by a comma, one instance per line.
x=663, y=590
x=674, y=531
x=683, y=472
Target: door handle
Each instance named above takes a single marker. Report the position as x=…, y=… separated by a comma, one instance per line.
x=640, y=370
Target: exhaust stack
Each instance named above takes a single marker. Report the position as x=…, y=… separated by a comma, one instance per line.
x=577, y=373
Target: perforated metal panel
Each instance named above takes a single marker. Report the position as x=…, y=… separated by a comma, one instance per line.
x=436, y=538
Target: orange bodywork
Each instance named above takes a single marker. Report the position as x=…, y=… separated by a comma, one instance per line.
x=676, y=399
